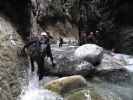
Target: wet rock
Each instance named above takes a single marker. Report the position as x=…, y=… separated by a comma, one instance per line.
x=67, y=64
x=71, y=68
x=115, y=76
x=112, y=69
x=66, y=84
x=90, y=52
x=84, y=95
x=110, y=62
x=77, y=68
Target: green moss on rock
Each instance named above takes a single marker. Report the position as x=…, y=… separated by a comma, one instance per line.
x=55, y=87
x=84, y=95
x=77, y=96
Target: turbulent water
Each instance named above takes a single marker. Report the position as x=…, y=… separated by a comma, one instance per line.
x=120, y=90
x=33, y=91
x=107, y=90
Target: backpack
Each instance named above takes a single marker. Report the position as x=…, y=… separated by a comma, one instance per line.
x=34, y=49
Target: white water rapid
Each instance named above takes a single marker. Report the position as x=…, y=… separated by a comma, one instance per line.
x=33, y=91
x=128, y=61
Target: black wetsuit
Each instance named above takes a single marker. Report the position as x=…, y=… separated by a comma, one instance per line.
x=33, y=48
x=46, y=52
x=61, y=42
x=38, y=49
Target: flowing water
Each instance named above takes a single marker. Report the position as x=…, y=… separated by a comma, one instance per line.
x=107, y=90
x=118, y=90
x=33, y=91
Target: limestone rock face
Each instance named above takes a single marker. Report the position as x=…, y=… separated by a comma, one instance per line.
x=90, y=52
x=10, y=64
x=66, y=84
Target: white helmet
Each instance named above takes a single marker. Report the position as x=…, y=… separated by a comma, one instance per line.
x=97, y=31
x=44, y=33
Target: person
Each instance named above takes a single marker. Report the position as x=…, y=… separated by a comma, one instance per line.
x=60, y=42
x=33, y=51
x=91, y=38
x=45, y=41
x=83, y=38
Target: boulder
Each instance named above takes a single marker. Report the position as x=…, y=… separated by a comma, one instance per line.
x=89, y=52
x=110, y=62
x=112, y=68
x=75, y=67
x=66, y=84
x=66, y=63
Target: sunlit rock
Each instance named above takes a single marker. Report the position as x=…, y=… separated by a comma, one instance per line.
x=90, y=52
x=66, y=84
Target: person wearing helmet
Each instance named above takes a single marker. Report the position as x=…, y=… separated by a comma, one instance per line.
x=37, y=49
x=46, y=44
x=43, y=34
x=33, y=51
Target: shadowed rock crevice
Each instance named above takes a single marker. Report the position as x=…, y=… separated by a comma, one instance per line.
x=18, y=12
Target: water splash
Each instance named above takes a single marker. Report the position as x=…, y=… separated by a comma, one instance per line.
x=127, y=59
x=33, y=91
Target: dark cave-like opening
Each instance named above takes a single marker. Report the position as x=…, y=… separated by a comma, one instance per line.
x=18, y=12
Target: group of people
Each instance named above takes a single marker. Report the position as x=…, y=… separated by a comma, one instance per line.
x=89, y=37
x=38, y=47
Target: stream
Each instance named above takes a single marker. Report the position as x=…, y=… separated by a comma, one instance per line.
x=122, y=90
